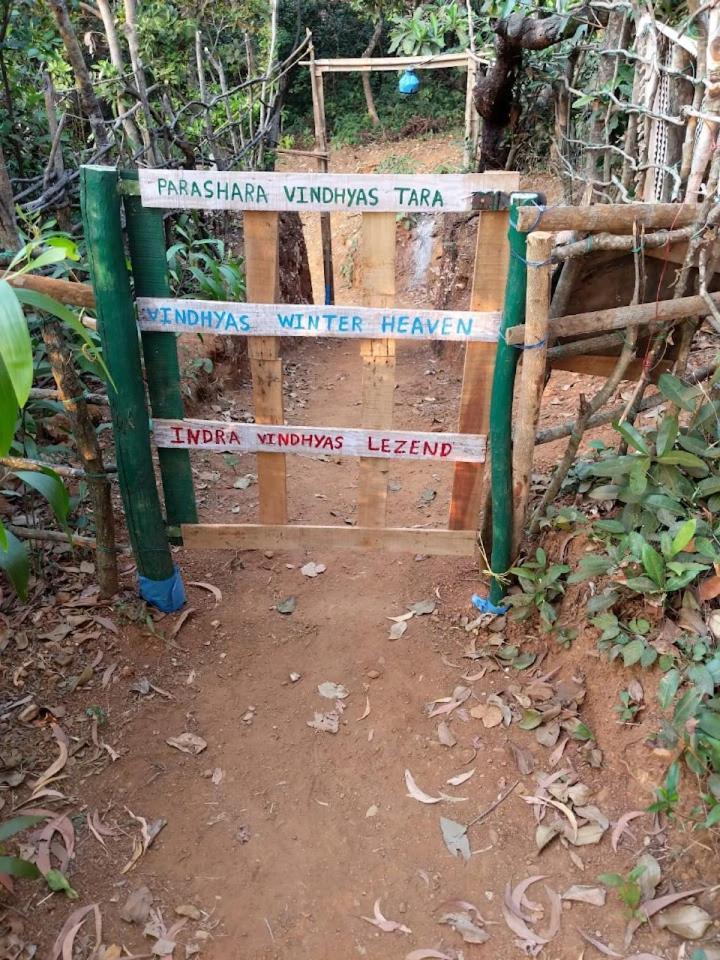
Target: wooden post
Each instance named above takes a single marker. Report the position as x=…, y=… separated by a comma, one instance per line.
x=488, y=291
x=146, y=242
x=377, y=265
x=70, y=392
x=263, y=284
x=532, y=376
x=121, y=351
x=321, y=145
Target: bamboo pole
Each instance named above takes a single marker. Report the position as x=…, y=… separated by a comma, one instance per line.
x=70, y=391
x=121, y=350
x=532, y=376
x=608, y=217
x=146, y=241
x=617, y=318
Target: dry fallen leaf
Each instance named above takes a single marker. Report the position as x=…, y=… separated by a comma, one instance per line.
x=448, y=704
x=327, y=722
x=57, y=765
x=215, y=591
x=387, y=926
x=136, y=908
x=524, y=760
x=313, y=569
x=422, y=607
x=423, y=954
x=686, y=920
x=187, y=743
x=598, y=944
x=585, y=894
x=462, y=922
x=460, y=778
x=416, y=793
x=333, y=691
x=709, y=589
x=455, y=837
x=366, y=712
x=445, y=735
x=397, y=630
x=490, y=714
x=621, y=826
x=64, y=941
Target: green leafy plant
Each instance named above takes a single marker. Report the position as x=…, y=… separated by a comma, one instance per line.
x=541, y=584
x=667, y=795
x=628, y=708
x=628, y=888
x=202, y=266
x=431, y=28
x=16, y=866
x=627, y=640
x=16, y=377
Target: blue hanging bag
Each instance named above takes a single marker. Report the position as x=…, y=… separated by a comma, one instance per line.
x=409, y=82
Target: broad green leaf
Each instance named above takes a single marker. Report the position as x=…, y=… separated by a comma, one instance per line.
x=702, y=678
x=682, y=458
x=8, y=411
x=666, y=435
x=10, y=827
x=14, y=561
x=712, y=820
x=49, y=484
x=41, y=301
x=16, y=867
x=609, y=526
x=632, y=652
x=638, y=479
x=673, y=389
x=668, y=687
x=653, y=564
x=611, y=879
x=684, y=535
x=608, y=491
x=3, y=536
x=45, y=259
x=15, y=344
x=707, y=487
x=709, y=723
x=632, y=437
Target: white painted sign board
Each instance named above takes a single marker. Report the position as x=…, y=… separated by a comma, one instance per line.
x=368, y=193
x=306, y=320
x=315, y=441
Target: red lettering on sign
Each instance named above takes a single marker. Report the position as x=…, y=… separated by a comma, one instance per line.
x=414, y=447
x=220, y=437
x=446, y=449
x=385, y=445
x=370, y=444
x=233, y=438
x=176, y=438
x=193, y=436
x=207, y=435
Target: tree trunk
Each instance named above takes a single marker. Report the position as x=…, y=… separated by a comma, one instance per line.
x=117, y=60
x=83, y=81
x=495, y=89
x=139, y=73
x=9, y=237
x=367, y=89
x=70, y=391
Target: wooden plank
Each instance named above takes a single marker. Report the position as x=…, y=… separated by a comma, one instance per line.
x=440, y=61
x=532, y=376
x=307, y=192
x=230, y=536
x=597, y=365
x=608, y=217
x=377, y=266
x=617, y=318
x=228, y=319
x=263, y=285
x=488, y=293
x=314, y=441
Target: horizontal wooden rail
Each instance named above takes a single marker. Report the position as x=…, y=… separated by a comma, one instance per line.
x=251, y=536
x=66, y=291
x=368, y=64
x=313, y=441
x=616, y=318
x=608, y=217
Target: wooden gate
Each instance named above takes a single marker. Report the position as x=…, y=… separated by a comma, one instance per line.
x=376, y=323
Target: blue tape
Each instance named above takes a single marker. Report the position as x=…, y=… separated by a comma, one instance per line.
x=484, y=605
x=167, y=595
x=328, y=294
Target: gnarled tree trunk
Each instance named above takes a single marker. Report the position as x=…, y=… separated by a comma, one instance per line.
x=367, y=89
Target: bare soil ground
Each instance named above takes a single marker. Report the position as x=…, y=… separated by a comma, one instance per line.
x=279, y=837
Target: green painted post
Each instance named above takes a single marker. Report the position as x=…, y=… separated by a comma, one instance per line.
x=502, y=397
x=146, y=241
x=121, y=350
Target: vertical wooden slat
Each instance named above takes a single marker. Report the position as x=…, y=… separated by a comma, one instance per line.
x=317, y=87
x=263, y=284
x=532, y=376
x=488, y=292
x=377, y=264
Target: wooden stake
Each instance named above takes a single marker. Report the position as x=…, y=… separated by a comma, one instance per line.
x=377, y=263
x=70, y=391
x=263, y=284
x=532, y=377
x=321, y=146
x=488, y=291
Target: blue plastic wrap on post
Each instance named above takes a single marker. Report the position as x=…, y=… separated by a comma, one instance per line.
x=409, y=82
x=485, y=606
x=167, y=595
